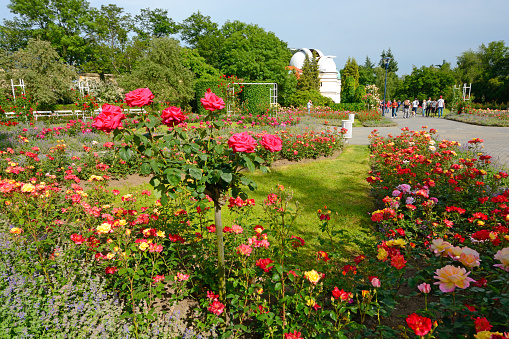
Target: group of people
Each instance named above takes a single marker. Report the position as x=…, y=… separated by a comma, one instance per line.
x=429, y=107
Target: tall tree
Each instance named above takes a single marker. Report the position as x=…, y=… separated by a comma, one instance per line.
x=65, y=24
x=367, y=73
x=393, y=64
x=46, y=77
x=253, y=54
x=154, y=23
x=115, y=52
x=200, y=33
x=309, y=80
x=427, y=82
x=161, y=70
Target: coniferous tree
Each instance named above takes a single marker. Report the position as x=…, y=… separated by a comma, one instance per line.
x=309, y=79
x=393, y=64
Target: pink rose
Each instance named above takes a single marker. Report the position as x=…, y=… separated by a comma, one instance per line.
x=139, y=97
x=110, y=118
x=242, y=142
x=211, y=101
x=172, y=116
x=272, y=143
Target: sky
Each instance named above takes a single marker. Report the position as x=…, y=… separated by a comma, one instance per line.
x=418, y=32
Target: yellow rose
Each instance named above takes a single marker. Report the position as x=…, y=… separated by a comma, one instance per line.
x=382, y=254
x=104, y=228
x=16, y=230
x=27, y=188
x=160, y=234
x=313, y=276
x=143, y=246
x=110, y=256
x=310, y=302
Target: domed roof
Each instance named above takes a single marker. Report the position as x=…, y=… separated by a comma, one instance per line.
x=298, y=58
x=326, y=64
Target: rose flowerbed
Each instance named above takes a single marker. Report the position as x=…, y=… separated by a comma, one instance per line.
x=446, y=213
x=441, y=228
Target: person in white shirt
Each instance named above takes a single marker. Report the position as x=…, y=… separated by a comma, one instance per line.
x=415, y=104
x=423, y=107
x=440, y=106
x=309, y=106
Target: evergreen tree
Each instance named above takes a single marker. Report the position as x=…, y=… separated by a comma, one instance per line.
x=309, y=79
x=349, y=80
x=367, y=73
x=393, y=64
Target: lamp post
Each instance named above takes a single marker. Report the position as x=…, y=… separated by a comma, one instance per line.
x=386, y=61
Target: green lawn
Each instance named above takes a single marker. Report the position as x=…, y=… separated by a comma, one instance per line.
x=337, y=183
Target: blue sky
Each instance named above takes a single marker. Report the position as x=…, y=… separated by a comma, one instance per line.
x=418, y=32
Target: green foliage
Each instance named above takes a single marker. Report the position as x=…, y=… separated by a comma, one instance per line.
x=352, y=107
x=348, y=90
x=351, y=91
x=252, y=54
x=200, y=87
x=426, y=82
x=256, y=98
x=301, y=98
x=393, y=64
x=351, y=70
x=154, y=23
x=192, y=60
x=45, y=76
x=367, y=73
x=65, y=24
x=162, y=71
x=309, y=80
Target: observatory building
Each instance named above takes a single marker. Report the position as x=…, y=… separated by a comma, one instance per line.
x=330, y=83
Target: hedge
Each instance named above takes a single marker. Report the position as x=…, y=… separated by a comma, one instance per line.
x=255, y=99
x=354, y=107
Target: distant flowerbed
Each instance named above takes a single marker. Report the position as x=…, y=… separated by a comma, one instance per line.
x=483, y=117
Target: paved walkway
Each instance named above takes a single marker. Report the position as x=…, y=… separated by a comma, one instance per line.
x=496, y=139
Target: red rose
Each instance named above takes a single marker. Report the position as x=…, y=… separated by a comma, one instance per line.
x=172, y=116
x=111, y=270
x=139, y=97
x=482, y=324
x=242, y=142
x=420, y=325
x=211, y=101
x=110, y=118
x=216, y=307
x=272, y=143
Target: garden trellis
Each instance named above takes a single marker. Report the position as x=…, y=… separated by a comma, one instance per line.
x=21, y=85
x=272, y=95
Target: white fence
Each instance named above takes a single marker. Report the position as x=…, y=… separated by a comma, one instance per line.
x=77, y=113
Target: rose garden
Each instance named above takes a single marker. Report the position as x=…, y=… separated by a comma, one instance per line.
x=194, y=255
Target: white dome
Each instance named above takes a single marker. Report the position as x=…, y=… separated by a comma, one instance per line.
x=326, y=64
x=298, y=58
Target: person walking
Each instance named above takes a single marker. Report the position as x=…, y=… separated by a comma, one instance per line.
x=394, y=108
x=310, y=103
x=440, y=107
x=388, y=106
x=406, y=108
x=415, y=104
x=428, y=107
x=434, y=107
x=424, y=107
